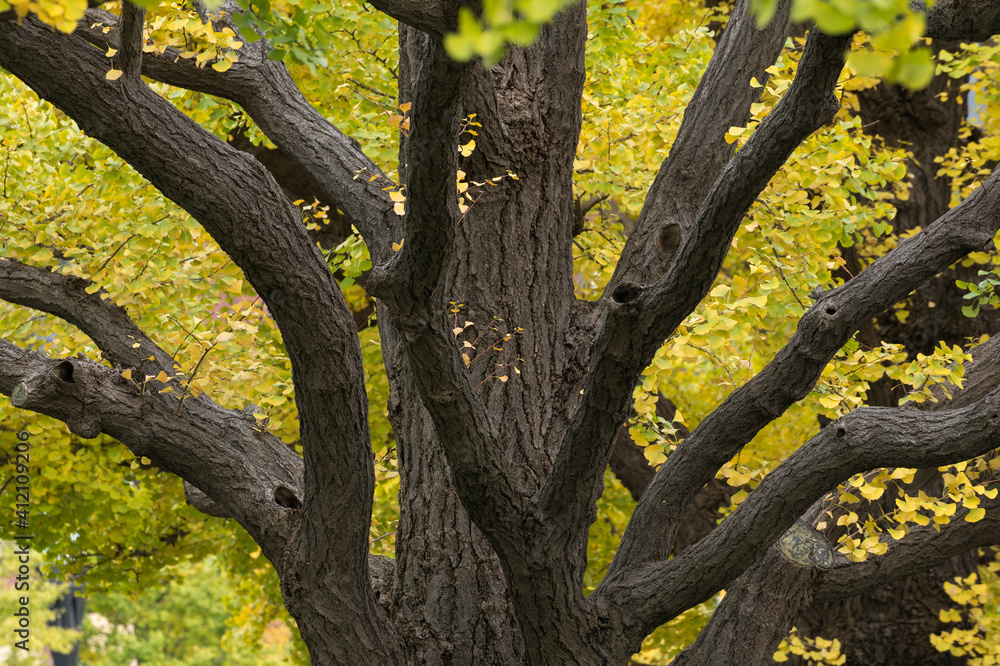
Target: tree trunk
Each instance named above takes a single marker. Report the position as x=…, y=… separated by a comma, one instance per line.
x=450, y=597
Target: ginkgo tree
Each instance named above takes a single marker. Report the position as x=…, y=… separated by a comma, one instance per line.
x=301, y=258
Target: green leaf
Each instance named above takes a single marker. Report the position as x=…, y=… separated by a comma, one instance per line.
x=869, y=63
x=522, y=33
x=763, y=10
x=914, y=69
x=539, y=11
x=498, y=12
x=831, y=20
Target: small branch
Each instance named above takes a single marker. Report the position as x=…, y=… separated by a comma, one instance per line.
x=581, y=209
x=203, y=502
x=114, y=254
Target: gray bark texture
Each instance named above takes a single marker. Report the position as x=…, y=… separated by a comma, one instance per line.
x=498, y=480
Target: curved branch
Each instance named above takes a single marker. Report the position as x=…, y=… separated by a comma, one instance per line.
x=638, y=319
x=244, y=210
x=268, y=94
x=789, y=377
x=865, y=439
x=922, y=549
x=745, y=631
x=66, y=297
x=203, y=445
x=125, y=345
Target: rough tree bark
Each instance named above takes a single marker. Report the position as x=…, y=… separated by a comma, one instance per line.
x=498, y=479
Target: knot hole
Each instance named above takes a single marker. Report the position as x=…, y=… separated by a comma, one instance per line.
x=626, y=292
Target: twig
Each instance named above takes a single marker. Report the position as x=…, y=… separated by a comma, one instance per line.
x=719, y=360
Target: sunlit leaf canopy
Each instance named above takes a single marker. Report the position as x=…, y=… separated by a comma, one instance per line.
x=72, y=205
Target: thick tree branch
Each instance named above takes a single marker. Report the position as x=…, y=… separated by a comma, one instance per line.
x=125, y=345
x=865, y=439
x=923, y=548
x=238, y=202
x=638, y=319
x=268, y=94
x=762, y=623
x=427, y=16
x=700, y=151
x=745, y=631
x=204, y=444
x=561, y=47
x=962, y=20
x=824, y=329
x=742, y=630
x=66, y=297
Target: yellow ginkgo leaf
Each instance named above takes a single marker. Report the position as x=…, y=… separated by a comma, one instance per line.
x=113, y=74
x=975, y=515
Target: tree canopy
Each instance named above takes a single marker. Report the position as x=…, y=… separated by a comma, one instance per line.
x=364, y=300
